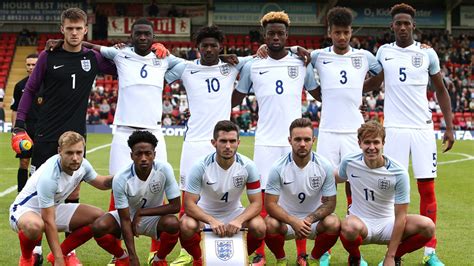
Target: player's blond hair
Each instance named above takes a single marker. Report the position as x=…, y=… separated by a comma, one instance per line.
x=372, y=129
x=275, y=17
x=69, y=138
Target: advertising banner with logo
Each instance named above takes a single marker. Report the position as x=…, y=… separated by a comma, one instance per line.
x=178, y=27
x=467, y=16
x=380, y=16
x=245, y=13
x=36, y=11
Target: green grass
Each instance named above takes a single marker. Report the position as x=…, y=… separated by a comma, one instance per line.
x=454, y=192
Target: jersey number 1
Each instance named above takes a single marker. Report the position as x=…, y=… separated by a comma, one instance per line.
x=73, y=76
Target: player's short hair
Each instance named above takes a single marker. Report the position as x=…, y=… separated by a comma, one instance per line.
x=69, y=138
x=371, y=128
x=275, y=17
x=209, y=32
x=142, y=136
x=32, y=56
x=226, y=126
x=339, y=16
x=142, y=21
x=404, y=9
x=301, y=122
x=73, y=14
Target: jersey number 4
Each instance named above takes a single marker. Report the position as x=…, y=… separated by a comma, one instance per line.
x=225, y=198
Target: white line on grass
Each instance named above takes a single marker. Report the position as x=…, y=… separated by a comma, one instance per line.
x=468, y=158
x=8, y=191
x=13, y=188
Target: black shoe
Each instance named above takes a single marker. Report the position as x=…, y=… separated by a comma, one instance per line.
x=37, y=259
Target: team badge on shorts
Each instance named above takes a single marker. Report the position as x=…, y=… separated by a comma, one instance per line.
x=384, y=184
x=293, y=72
x=315, y=182
x=238, y=180
x=225, y=69
x=155, y=186
x=86, y=65
x=224, y=249
x=357, y=62
x=156, y=61
x=417, y=60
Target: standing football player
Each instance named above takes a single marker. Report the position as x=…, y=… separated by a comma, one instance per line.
x=407, y=69
x=277, y=82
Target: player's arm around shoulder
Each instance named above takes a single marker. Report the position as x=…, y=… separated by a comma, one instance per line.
x=98, y=181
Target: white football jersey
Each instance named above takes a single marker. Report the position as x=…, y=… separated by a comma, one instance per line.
x=278, y=86
x=133, y=193
x=375, y=191
x=209, y=93
x=140, y=91
x=407, y=71
x=300, y=189
x=342, y=78
x=50, y=186
x=220, y=190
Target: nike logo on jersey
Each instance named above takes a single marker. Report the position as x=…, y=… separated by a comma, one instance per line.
x=209, y=183
x=355, y=176
x=388, y=58
x=195, y=71
x=326, y=62
x=433, y=171
x=287, y=183
x=127, y=57
x=56, y=67
x=262, y=72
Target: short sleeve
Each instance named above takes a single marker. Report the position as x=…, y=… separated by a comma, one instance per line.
x=310, y=82
x=171, y=187
x=402, y=187
x=243, y=61
x=119, y=184
x=374, y=65
x=329, y=185
x=434, y=67
x=314, y=56
x=342, y=168
x=175, y=73
x=109, y=52
x=274, y=182
x=194, y=178
x=245, y=82
x=173, y=61
x=90, y=173
x=253, y=180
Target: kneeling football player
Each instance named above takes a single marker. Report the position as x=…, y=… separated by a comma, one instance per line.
x=380, y=196
x=139, y=191
x=300, y=198
x=213, y=190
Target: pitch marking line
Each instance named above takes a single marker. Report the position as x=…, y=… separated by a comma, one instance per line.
x=13, y=188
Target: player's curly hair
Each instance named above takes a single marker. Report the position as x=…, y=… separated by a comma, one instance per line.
x=402, y=8
x=73, y=14
x=69, y=138
x=209, y=32
x=275, y=17
x=371, y=128
x=142, y=21
x=301, y=122
x=339, y=16
x=226, y=126
x=142, y=136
